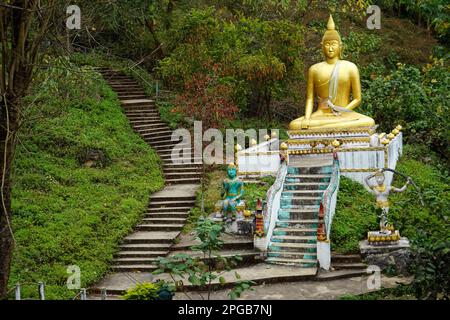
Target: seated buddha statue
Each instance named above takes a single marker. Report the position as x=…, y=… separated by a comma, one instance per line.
x=337, y=86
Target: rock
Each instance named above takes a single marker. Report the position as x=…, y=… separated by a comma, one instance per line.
x=387, y=257
x=92, y=158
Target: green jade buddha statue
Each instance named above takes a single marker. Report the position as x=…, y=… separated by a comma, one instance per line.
x=232, y=191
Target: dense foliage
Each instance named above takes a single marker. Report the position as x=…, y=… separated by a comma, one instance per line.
x=417, y=99
x=64, y=212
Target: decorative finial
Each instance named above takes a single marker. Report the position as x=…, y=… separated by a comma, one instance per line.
x=284, y=146
x=330, y=24
x=331, y=32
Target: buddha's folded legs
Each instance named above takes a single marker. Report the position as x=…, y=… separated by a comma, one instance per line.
x=345, y=120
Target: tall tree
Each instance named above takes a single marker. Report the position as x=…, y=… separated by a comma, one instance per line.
x=24, y=24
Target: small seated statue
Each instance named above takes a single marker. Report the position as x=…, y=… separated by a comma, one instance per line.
x=334, y=82
x=232, y=191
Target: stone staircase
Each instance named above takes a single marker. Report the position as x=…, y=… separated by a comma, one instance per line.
x=168, y=209
x=294, y=239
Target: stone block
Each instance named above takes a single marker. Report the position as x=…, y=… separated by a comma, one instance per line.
x=386, y=257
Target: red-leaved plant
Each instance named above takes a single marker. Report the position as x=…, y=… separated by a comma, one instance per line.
x=206, y=99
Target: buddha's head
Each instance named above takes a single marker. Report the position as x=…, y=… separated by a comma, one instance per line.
x=231, y=170
x=331, y=41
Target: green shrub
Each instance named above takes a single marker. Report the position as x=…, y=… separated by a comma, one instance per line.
x=416, y=99
x=149, y=291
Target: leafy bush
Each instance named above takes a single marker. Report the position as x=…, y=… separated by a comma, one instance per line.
x=149, y=291
x=200, y=271
x=430, y=266
x=259, y=59
x=65, y=214
x=416, y=99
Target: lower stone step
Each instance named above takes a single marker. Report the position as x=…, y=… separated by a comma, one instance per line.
x=295, y=239
x=295, y=231
x=304, y=263
x=171, y=220
x=134, y=261
x=183, y=215
x=342, y=266
x=183, y=209
x=183, y=181
x=146, y=247
x=159, y=227
x=141, y=254
x=134, y=268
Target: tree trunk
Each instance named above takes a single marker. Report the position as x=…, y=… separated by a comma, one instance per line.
x=6, y=153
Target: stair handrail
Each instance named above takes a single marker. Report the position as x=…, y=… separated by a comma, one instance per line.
x=270, y=212
x=329, y=197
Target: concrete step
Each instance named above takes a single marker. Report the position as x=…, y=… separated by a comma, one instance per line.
x=161, y=129
x=151, y=237
x=285, y=214
x=279, y=231
x=299, y=201
x=306, y=263
x=128, y=96
x=174, y=197
x=302, y=222
x=123, y=83
x=183, y=181
x=296, y=193
x=171, y=203
x=292, y=254
x=141, y=254
x=181, y=166
x=138, y=108
x=352, y=266
x=134, y=261
x=180, y=208
x=188, y=168
x=345, y=258
x=153, y=220
x=149, y=124
x=167, y=215
x=159, y=227
x=301, y=247
x=146, y=247
x=294, y=179
x=294, y=239
x=291, y=187
x=156, y=135
x=180, y=175
x=137, y=102
x=134, y=268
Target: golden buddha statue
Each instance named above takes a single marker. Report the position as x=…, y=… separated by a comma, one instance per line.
x=333, y=81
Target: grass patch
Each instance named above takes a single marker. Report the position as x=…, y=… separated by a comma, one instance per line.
x=63, y=213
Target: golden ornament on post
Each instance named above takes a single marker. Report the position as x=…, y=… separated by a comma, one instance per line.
x=399, y=127
x=253, y=142
x=273, y=134
x=390, y=136
x=237, y=148
x=385, y=141
x=395, y=131
x=283, y=146
x=335, y=143
x=267, y=137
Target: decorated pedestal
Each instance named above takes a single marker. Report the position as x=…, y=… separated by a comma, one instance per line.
x=361, y=151
x=241, y=224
